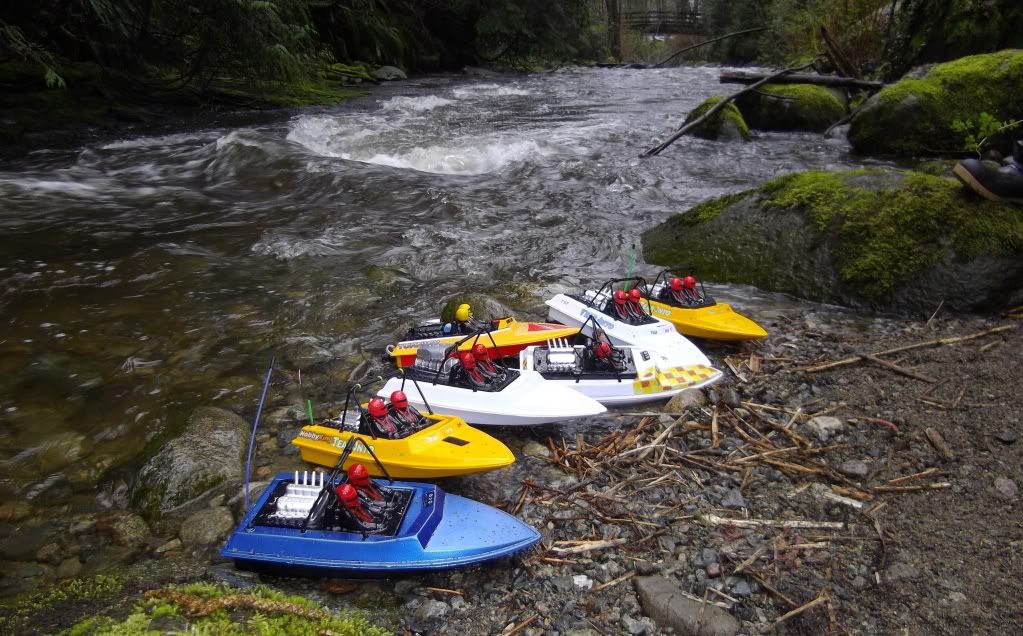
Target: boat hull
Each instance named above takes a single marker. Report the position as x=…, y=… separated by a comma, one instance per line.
x=651, y=382
x=447, y=448
x=510, y=337
x=528, y=401
x=714, y=322
x=438, y=531
x=659, y=337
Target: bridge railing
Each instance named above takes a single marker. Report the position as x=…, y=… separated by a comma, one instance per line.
x=689, y=22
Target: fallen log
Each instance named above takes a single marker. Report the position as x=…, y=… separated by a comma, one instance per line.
x=830, y=81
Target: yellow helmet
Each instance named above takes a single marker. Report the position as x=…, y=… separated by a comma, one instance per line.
x=463, y=313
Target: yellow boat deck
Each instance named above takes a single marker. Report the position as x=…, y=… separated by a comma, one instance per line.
x=447, y=448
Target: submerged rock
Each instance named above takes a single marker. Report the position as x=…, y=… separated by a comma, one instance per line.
x=918, y=116
x=791, y=107
x=725, y=125
x=388, y=73
x=206, y=527
x=902, y=241
x=209, y=453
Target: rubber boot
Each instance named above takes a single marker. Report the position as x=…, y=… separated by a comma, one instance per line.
x=996, y=184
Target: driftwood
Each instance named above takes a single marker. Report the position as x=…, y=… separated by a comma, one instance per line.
x=896, y=368
x=773, y=523
x=656, y=150
x=837, y=55
x=830, y=81
x=711, y=41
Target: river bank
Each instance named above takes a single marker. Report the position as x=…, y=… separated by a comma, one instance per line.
x=890, y=476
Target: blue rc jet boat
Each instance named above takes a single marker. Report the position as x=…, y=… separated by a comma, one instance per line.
x=345, y=522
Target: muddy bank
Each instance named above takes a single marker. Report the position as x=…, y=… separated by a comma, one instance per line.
x=904, y=487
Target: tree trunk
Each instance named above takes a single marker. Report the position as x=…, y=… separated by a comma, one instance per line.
x=614, y=27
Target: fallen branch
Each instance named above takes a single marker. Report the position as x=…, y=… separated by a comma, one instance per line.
x=930, y=343
x=773, y=523
x=621, y=579
x=706, y=42
x=821, y=598
x=713, y=110
x=833, y=81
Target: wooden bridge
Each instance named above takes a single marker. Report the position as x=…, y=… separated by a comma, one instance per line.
x=687, y=19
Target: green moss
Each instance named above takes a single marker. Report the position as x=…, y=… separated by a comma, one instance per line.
x=915, y=116
x=791, y=107
x=712, y=128
x=886, y=235
x=163, y=615
x=709, y=210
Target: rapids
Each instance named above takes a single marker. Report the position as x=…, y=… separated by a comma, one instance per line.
x=146, y=276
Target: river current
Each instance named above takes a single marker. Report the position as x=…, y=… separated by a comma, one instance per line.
x=145, y=276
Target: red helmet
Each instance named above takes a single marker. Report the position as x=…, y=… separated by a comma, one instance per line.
x=377, y=408
x=602, y=349
x=690, y=282
x=347, y=494
x=468, y=360
x=358, y=475
x=480, y=351
x=635, y=294
x=676, y=284
x=619, y=297
x=399, y=400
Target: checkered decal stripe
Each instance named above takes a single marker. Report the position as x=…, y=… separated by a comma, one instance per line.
x=672, y=378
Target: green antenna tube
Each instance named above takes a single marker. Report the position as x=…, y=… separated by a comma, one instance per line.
x=309, y=409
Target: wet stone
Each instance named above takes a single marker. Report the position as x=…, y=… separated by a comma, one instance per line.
x=69, y=568
x=123, y=528
x=206, y=527
x=14, y=510
x=684, y=400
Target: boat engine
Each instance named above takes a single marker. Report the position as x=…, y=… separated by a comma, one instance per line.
x=299, y=496
x=561, y=356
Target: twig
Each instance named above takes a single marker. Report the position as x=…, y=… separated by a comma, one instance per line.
x=444, y=591
x=902, y=480
x=927, y=325
x=515, y=629
x=774, y=523
x=930, y=343
x=938, y=442
x=579, y=547
x=900, y=370
x=935, y=486
x=821, y=598
x=621, y=579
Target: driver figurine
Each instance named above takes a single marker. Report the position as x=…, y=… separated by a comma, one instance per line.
x=635, y=307
x=405, y=416
x=619, y=307
x=484, y=363
x=465, y=321
x=381, y=419
x=471, y=371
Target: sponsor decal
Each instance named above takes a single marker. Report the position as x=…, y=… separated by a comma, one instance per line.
x=661, y=310
x=308, y=434
x=428, y=499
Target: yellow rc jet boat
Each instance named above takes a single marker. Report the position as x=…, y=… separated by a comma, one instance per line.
x=503, y=337
x=683, y=302
x=407, y=443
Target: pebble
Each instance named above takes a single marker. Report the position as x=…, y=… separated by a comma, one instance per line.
x=741, y=589
x=705, y=558
x=14, y=510
x=124, y=528
x=206, y=527
x=854, y=468
x=731, y=398
x=734, y=499
x=713, y=570
x=533, y=448
x=824, y=426
x=173, y=544
x=69, y=568
x=1006, y=488
x=1005, y=437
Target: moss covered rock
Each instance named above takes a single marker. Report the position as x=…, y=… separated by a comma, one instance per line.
x=916, y=116
x=901, y=241
x=791, y=107
x=726, y=125
x=209, y=454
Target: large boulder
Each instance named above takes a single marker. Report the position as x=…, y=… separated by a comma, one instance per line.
x=792, y=107
x=725, y=125
x=209, y=454
x=899, y=241
x=933, y=113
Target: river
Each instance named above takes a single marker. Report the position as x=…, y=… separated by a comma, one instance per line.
x=145, y=276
